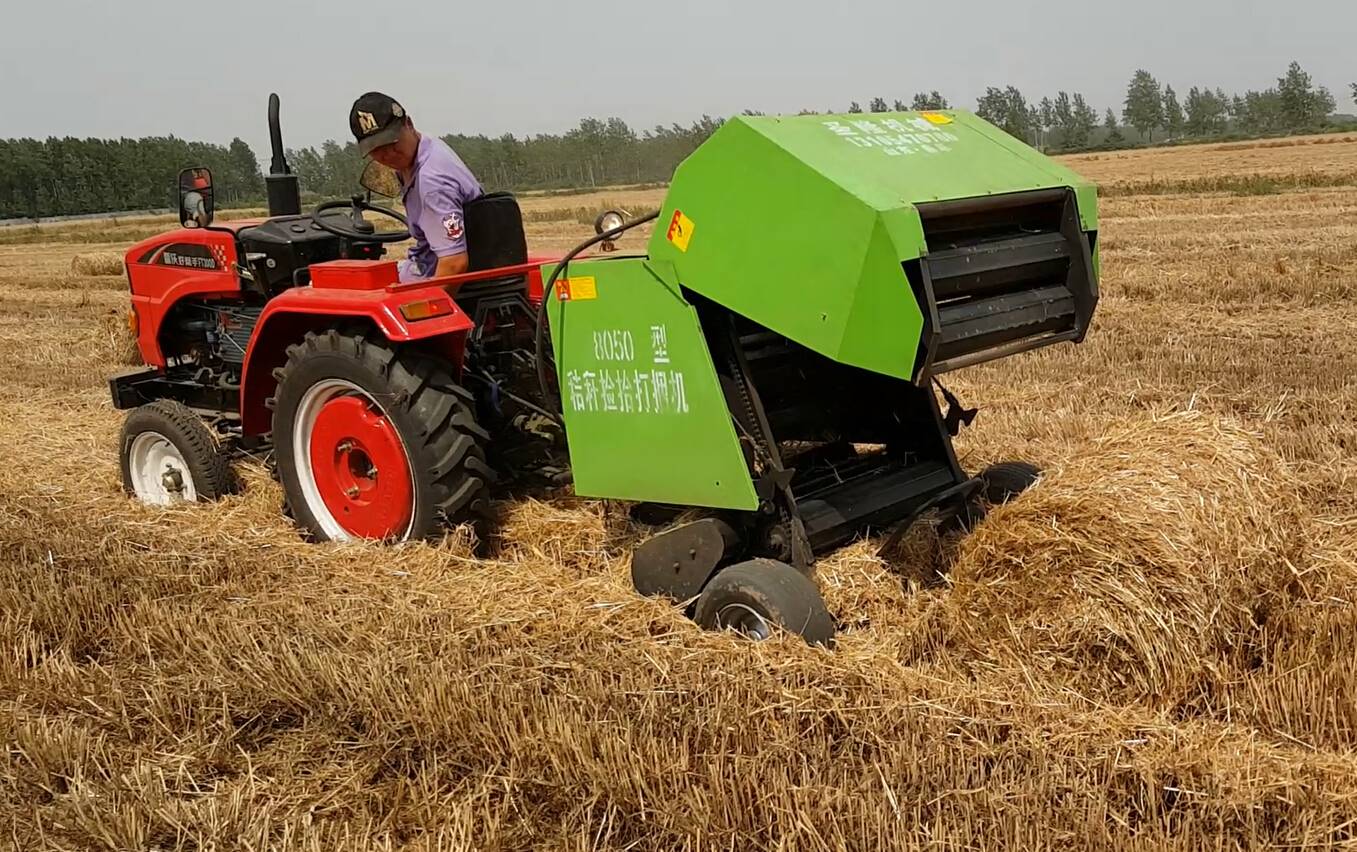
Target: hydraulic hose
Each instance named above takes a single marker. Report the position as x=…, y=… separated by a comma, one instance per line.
x=539, y=339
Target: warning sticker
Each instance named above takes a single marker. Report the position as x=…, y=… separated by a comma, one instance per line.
x=576, y=289
x=680, y=230
x=937, y=118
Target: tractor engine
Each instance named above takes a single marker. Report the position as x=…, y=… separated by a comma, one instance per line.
x=211, y=334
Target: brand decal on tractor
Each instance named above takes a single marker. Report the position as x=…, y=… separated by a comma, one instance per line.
x=680, y=230
x=189, y=257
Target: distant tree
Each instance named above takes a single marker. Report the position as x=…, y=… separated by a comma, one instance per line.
x=929, y=100
x=1062, y=115
x=751, y=112
x=1207, y=112
x=1354, y=92
x=1085, y=121
x=1073, y=119
x=1043, y=118
x=1144, y=107
x=245, y=179
x=878, y=105
x=855, y=107
x=1173, y=112
x=808, y=112
x=1114, y=136
x=1007, y=109
x=1261, y=112
x=899, y=106
x=1300, y=103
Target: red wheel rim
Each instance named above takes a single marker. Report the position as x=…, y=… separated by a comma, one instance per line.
x=361, y=470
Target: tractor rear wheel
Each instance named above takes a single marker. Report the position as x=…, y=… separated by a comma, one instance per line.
x=1006, y=480
x=168, y=455
x=373, y=443
x=757, y=596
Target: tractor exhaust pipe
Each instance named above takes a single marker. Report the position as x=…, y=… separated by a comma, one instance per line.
x=285, y=194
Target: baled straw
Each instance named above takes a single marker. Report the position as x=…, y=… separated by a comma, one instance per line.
x=97, y=263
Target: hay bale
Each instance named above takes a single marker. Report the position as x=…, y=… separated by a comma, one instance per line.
x=1145, y=568
x=97, y=263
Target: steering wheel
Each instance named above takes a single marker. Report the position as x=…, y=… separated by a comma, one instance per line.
x=356, y=227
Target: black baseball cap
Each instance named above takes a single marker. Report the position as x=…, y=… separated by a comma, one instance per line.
x=375, y=120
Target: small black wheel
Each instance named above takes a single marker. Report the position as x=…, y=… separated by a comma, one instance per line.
x=374, y=443
x=1006, y=480
x=756, y=596
x=168, y=455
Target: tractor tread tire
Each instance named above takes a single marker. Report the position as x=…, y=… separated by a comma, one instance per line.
x=1006, y=480
x=207, y=460
x=773, y=589
x=445, y=447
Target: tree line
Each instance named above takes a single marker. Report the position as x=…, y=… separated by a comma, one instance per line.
x=1155, y=113
x=59, y=177
x=62, y=176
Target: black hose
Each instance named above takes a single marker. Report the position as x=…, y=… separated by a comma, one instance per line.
x=539, y=349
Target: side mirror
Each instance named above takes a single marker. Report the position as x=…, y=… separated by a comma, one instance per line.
x=380, y=180
x=195, y=198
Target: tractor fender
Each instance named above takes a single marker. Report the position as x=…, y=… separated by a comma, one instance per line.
x=288, y=317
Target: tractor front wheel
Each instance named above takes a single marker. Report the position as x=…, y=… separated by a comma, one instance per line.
x=755, y=597
x=168, y=455
x=375, y=444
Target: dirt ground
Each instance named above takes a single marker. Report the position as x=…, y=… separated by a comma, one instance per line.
x=1155, y=648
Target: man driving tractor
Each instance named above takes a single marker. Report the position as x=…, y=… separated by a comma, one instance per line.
x=435, y=184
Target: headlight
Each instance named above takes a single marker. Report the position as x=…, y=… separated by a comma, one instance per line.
x=608, y=221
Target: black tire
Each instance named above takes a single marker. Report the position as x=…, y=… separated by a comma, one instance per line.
x=965, y=519
x=1006, y=480
x=433, y=415
x=775, y=591
x=205, y=460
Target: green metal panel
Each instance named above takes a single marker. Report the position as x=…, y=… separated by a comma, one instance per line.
x=801, y=222
x=645, y=416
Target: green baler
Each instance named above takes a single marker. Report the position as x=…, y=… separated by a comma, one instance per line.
x=772, y=358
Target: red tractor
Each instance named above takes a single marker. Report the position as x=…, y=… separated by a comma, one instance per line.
x=377, y=398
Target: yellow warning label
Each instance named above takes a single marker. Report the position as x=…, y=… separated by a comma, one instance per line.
x=576, y=289
x=937, y=117
x=680, y=230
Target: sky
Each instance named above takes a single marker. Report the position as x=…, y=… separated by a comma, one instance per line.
x=204, y=71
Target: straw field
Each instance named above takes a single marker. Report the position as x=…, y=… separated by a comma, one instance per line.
x=1155, y=648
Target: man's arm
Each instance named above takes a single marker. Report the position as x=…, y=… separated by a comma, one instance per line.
x=443, y=225
x=453, y=264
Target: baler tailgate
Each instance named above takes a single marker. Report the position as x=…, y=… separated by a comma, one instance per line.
x=1003, y=274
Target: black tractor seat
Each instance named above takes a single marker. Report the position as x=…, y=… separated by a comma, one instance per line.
x=494, y=239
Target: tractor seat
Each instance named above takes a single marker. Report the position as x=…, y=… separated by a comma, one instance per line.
x=494, y=239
